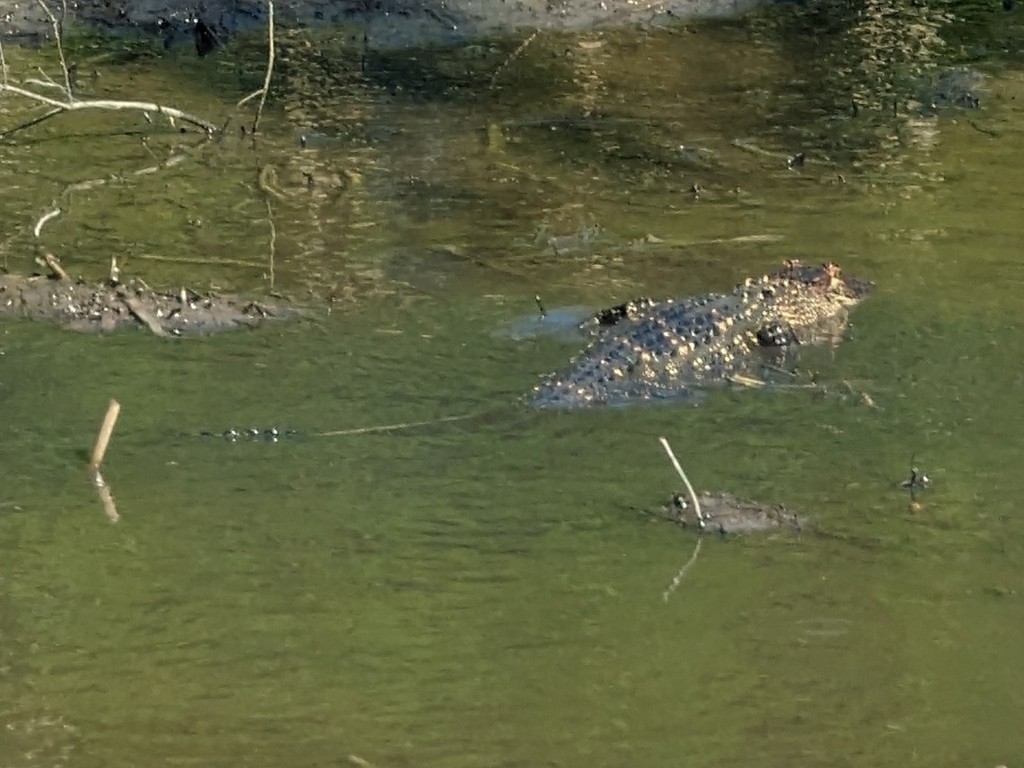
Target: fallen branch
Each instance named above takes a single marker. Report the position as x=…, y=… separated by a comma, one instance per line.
x=71, y=106
x=53, y=264
x=141, y=313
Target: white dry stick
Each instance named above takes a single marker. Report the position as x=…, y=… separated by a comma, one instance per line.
x=42, y=221
x=700, y=516
x=60, y=47
x=262, y=92
x=141, y=106
x=103, y=438
x=689, y=488
x=270, y=64
x=3, y=64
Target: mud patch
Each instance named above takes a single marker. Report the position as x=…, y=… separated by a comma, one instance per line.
x=727, y=514
x=108, y=307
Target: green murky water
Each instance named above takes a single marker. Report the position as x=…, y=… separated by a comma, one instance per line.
x=486, y=592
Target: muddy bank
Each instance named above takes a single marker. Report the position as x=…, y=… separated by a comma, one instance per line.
x=108, y=307
x=385, y=23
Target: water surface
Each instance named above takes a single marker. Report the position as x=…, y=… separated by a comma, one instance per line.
x=488, y=591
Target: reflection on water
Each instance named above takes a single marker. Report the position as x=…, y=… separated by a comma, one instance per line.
x=485, y=591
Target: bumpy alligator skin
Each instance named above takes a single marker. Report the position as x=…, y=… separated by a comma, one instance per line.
x=647, y=350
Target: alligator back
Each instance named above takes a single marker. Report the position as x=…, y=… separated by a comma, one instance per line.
x=647, y=350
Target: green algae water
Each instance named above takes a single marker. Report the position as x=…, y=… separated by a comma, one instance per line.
x=488, y=591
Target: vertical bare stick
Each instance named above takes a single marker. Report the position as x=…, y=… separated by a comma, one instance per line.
x=3, y=64
x=270, y=64
x=60, y=46
x=273, y=241
x=103, y=439
x=689, y=488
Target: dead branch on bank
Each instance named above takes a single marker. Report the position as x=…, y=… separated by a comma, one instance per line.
x=52, y=263
x=70, y=103
x=141, y=313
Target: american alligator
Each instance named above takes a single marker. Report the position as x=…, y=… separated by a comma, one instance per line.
x=663, y=350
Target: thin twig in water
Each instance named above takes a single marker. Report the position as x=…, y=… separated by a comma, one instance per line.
x=393, y=427
x=270, y=68
x=689, y=488
x=270, y=65
x=57, y=30
x=46, y=82
x=3, y=64
x=43, y=219
x=273, y=241
x=198, y=260
x=512, y=57
x=140, y=106
x=30, y=123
